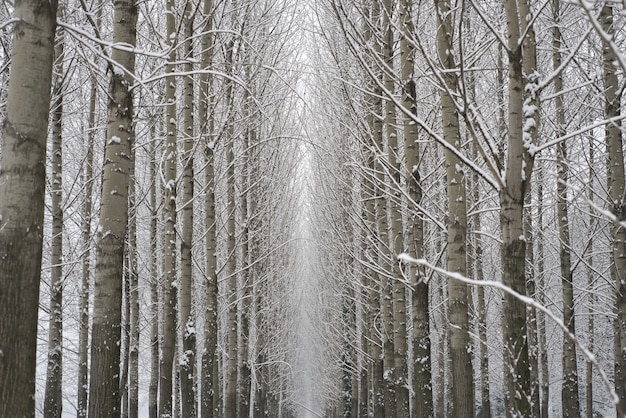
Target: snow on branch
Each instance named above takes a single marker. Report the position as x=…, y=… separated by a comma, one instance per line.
x=589, y=356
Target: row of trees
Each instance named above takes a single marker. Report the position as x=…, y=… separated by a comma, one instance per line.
x=406, y=209
x=483, y=150
x=165, y=259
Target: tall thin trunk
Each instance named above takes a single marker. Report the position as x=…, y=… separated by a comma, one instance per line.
x=169, y=279
x=590, y=284
x=617, y=203
x=382, y=211
x=133, y=292
x=104, y=392
x=187, y=319
x=531, y=312
x=153, y=387
x=209, y=389
x=83, y=331
x=231, y=400
x=483, y=348
x=462, y=384
x=398, y=291
x=22, y=195
x=371, y=284
x=522, y=125
x=245, y=364
x=569, y=394
x=422, y=405
x=125, y=342
x=53, y=400
x=544, y=376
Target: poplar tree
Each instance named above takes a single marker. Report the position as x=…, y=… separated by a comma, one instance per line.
x=22, y=194
x=104, y=390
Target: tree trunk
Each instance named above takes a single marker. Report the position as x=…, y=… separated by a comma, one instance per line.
x=169, y=279
x=382, y=211
x=370, y=197
x=531, y=312
x=209, y=389
x=589, y=259
x=517, y=176
x=422, y=405
x=125, y=343
x=53, y=401
x=569, y=394
x=153, y=388
x=22, y=194
x=187, y=319
x=460, y=350
x=104, y=393
x=617, y=203
x=544, y=375
x=231, y=400
x=245, y=381
x=83, y=331
x=133, y=292
x=399, y=368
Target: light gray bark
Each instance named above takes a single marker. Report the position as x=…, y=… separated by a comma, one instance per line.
x=133, y=293
x=53, y=400
x=22, y=189
x=83, y=332
x=617, y=203
x=187, y=324
x=104, y=391
x=209, y=376
x=517, y=172
x=170, y=273
x=569, y=394
x=462, y=384
x=153, y=386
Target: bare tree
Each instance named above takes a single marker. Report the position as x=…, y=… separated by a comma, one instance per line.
x=187, y=317
x=22, y=189
x=462, y=384
x=104, y=391
x=53, y=402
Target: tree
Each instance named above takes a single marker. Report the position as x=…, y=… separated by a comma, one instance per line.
x=569, y=395
x=518, y=167
x=187, y=317
x=209, y=394
x=617, y=202
x=460, y=348
x=22, y=190
x=169, y=281
x=104, y=391
x=53, y=403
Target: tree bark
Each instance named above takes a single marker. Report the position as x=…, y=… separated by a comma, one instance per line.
x=209, y=388
x=231, y=400
x=569, y=394
x=544, y=375
x=399, y=368
x=170, y=277
x=83, y=331
x=22, y=194
x=53, y=400
x=104, y=393
x=133, y=292
x=462, y=385
x=521, y=115
x=617, y=203
x=187, y=324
